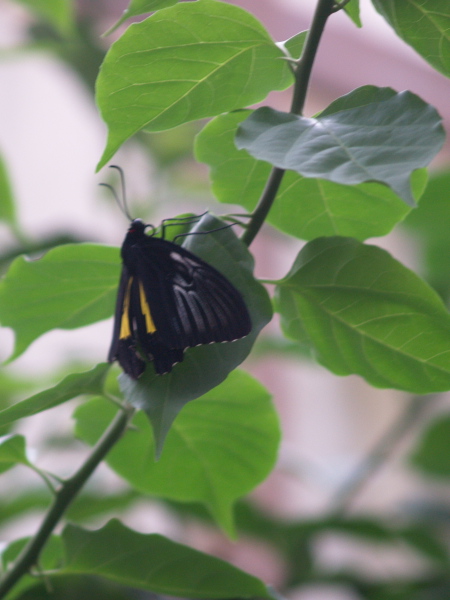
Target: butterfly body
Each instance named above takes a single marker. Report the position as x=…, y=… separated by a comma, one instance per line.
x=169, y=300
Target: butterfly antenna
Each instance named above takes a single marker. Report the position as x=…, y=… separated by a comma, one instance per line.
x=121, y=202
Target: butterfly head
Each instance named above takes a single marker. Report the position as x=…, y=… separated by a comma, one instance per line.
x=137, y=226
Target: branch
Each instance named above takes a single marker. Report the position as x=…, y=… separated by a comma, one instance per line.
x=302, y=76
x=64, y=496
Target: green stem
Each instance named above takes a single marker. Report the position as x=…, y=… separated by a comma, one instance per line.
x=303, y=71
x=63, y=497
x=379, y=454
x=264, y=205
x=302, y=76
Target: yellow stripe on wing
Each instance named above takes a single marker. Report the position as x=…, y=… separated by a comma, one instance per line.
x=125, y=329
x=145, y=308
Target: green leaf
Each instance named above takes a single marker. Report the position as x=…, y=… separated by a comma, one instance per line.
x=365, y=313
x=383, y=140
x=58, y=13
x=203, y=367
x=424, y=25
x=12, y=452
x=71, y=286
x=190, y=61
x=140, y=7
x=7, y=206
x=155, y=563
x=431, y=454
x=305, y=208
x=352, y=10
x=429, y=545
x=429, y=222
x=49, y=559
x=293, y=47
x=76, y=384
x=219, y=448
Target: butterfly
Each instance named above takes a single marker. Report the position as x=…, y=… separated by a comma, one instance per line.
x=169, y=300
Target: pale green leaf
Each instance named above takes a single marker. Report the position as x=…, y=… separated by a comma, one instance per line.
x=384, y=140
x=71, y=286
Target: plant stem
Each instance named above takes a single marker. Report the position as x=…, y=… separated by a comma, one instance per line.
x=302, y=74
x=304, y=68
x=63, y=497
x=379, y=454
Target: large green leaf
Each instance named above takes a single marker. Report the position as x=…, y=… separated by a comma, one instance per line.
x=424, y=25
x=203, y=367
x=368, y=135
x=305, y=207
x=431, y=454
x=76, y=384
x=219, y=448
x=186, y=62
x=365, y=313
x=155, y=563
x=71, y=286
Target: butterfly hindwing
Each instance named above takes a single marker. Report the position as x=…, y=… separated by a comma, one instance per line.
x=199, y=306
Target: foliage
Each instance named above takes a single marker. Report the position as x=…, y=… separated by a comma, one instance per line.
x=355, y=171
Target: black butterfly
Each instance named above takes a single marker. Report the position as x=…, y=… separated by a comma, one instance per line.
x=169, y=300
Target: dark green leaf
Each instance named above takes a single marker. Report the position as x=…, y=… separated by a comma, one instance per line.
x=186, y=62
x=431, y=454
x=425, y=542
x=305, y=208
x=12, y=452
x=383, y=140
x=55, y=586
x=76, y=384
x=71, y=286
x=203, y=367
x=424, y=25
x=155, y=563
x=365, y=313
x=219, y=448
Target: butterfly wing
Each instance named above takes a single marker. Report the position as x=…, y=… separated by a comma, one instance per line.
x=192, y=303
x=169, y=300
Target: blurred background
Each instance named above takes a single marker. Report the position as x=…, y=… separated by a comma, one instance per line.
x=51, y=138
